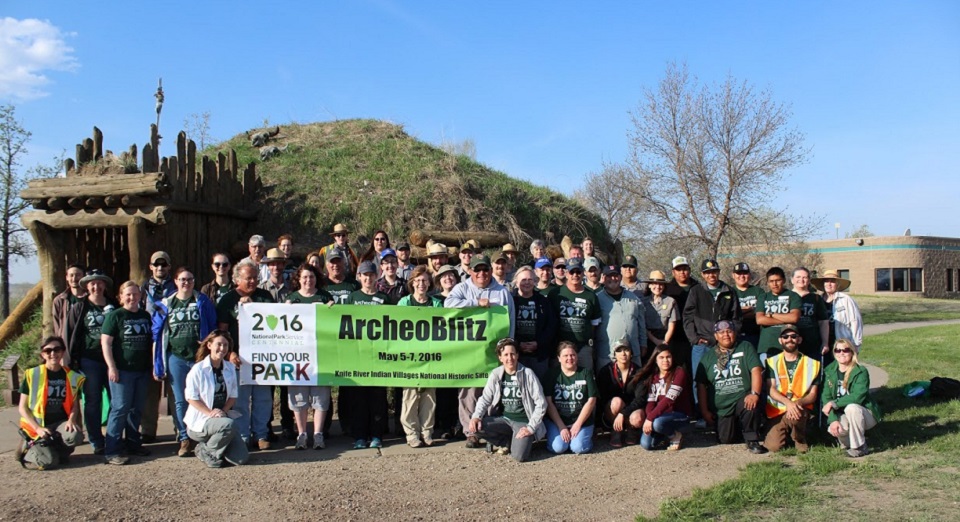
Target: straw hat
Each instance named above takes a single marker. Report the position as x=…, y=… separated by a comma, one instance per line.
x=340, y=228
x=274, y=255
x=656, y=277
x=842, y=284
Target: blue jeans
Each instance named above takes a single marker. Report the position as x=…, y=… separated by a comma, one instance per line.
x=127, y=399
x=178, y=369
x=254, y=404
x=582, y=443
x=96, y=374
x=696, y=353
x=664, y=427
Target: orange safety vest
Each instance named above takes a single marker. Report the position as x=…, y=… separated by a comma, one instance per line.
x=37, y=394
x=807, y=371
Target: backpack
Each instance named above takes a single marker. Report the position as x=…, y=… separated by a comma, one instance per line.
x=944, y=388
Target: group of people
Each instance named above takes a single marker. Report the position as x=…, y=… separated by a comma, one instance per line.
x=591, y=347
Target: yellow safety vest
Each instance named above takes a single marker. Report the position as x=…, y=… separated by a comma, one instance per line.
x=37, y=398
x=807, y=371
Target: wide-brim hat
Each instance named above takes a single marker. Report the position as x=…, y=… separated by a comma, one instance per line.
x=95, y=275
x=509, y=248
x=447, y=269
x=340, y=228
x=437, y=249
x=274, y=255
x=656, y=276
x=842, y=284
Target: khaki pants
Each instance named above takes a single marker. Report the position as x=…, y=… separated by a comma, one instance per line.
x=418, y=412
x=782, y=428
x=54, y=454
x=854, y=422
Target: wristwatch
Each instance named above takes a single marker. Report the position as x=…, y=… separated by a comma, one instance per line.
x=754, y=393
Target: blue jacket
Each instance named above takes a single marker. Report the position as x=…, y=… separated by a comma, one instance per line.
x=208, y=323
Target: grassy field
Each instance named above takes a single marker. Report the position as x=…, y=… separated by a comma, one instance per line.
x=886, y=309
x=911, y=475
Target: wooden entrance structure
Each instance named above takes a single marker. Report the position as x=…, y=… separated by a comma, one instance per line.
x=112, y=212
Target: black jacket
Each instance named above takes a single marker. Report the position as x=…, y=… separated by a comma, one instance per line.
x=546, y=324
x=701, y=312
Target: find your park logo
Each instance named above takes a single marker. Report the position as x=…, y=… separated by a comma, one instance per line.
x=278, y=330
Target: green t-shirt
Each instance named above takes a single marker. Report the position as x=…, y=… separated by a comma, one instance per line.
x=341, y=291
x=578, y=314
x=54, y=413
x=812, y=311
x=748, y=299
x=570, y=394
x=132, y=339
x=92, y=324
x=525, y=329
x=360, y=298
x=548, y=291
x=322, y=297
x=228, y=310
x=726, y=386
x=787, y=301
x=183, y=328
x=511, y=399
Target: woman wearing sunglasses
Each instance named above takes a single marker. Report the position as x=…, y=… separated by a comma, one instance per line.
x=847, y=403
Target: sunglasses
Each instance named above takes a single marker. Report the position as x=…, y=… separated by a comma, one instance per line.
x=576, y=272
x=560, y=267
x=185, y=280
x=379, y=239
x=339, y=235
x=51, y=351
x=161, y=264
x=789, y=336
x=221, y=265
x=482, y=269
x=842, y=350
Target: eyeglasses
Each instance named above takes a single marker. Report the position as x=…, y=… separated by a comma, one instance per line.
x=789, y=336
x=842, y=350
x=161, y=264
x=379, y=239
x=51, y=351
x=185, y=280
x=221, y=265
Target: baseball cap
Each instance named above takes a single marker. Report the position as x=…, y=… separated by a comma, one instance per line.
x=542, y=262
x=680, y=261
x=333, y=254
x=160, y=254
x=500, y=256
x=387, y=252
x=560, y=261
x=574, y=263
x=481, y=259
x=741, y=268
x=611, y=269
x=403, y=246
x=789, y=328
x=367, y=267
x=709, y=265
x=724, y=325
x=630, y=261
x=591, y=262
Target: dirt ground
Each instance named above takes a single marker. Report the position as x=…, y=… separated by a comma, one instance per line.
x=445, y=482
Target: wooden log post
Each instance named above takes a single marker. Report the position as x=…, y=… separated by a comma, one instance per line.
x=457, y=237
x=137, y=241
x=12, y=326
x=69, y=166
x=150, y=184
x=53, y=269
x=97, y=144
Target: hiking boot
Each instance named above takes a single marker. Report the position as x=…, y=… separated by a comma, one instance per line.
x=473, y=442
x=301, y=442
x=675, y=440
x=185, y=448
x=117, y=460
x=755, y=448
x=319, y=442
x=616, y=439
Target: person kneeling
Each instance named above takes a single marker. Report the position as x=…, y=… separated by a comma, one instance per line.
x=847, y=403
x=211, y=393
x=50, y=410
x=513, y=390
x=662, y=401
x=571, y=402
x=793, y=379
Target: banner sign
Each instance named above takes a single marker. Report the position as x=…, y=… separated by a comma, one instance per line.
x=357, y=345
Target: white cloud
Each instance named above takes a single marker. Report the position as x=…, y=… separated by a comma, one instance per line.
x=28, y=49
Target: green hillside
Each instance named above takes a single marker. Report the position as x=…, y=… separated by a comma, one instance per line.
x=370, y=174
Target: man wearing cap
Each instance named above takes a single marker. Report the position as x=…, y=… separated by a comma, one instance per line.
x=404, y=266
x=279, y=289
x=678, y=289
x=729, y=385
x=628, y=269
x=74, y=293
x=437, y=257
x=500, y=267
x=479, y=289
x=158, y=286
x=390, y=283
x=338, y=282
x=466, y=252
x=748, y=295
x=594, y=274
x=560, y=271
x=257, y=247
x=775, y=308
x=622, y=316
x=341, y=245
x=578, y=312
x=543, y=268
x=708, y=303
x=792, y=383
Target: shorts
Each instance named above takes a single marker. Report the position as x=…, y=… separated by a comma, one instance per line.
x=302, y=397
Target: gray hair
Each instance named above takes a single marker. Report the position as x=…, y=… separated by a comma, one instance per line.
x=256, y=239
x=537, y=243
x=521, y=270
x=246, y=263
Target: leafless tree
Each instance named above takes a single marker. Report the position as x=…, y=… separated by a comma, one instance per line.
x=861, y=231
x=605, y=193
x=197, y=127
x=707, y=161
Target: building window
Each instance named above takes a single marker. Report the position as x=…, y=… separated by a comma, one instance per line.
x=949, y=280
x=899, y=280
x=844, y=273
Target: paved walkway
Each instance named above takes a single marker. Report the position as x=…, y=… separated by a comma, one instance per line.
x=9, y=418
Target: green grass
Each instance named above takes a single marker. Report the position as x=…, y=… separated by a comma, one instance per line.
x=912, y=473
x=885, y=309
x=370, y=174
x=26, y=346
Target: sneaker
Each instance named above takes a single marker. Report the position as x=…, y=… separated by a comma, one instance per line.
x=701, y=424
x=414, y=443
x=501, y=450
x=473, y=442
x=675, y=440
x=616, y=439
x=97, y=451
x=376, y=442
x=205, y=457
x=318, y=441
x=301, y=442
x=185, y=449
x=140, y=451
x=427, y=440
x=755, y=448
x=263, y=444
x=856, y=453
x=117, y=460
x=633, y=437
x=360, y=444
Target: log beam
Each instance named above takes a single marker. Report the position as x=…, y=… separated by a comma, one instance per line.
x=101, y=218
x=151, y=184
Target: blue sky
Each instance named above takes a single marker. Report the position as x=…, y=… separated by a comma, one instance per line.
x=543, y=89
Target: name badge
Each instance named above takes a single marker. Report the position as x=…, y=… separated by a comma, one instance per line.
x=580, y=382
